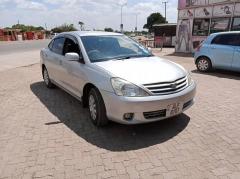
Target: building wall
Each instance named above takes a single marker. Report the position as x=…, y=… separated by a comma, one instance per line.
x=199, y=18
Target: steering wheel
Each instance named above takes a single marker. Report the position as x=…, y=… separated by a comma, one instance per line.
x=93, y=54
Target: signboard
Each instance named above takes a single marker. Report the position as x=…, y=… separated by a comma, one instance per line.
x=185, y=13
x=223, y=10
x=197, y=2
x=237, y=9
x=203, y=12
x=218, y=1
x=181, y=4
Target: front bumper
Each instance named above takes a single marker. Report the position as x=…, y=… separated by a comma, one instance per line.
x=117, y=106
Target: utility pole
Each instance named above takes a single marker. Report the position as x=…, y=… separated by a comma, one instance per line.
x=121, y=25
x=165, y=3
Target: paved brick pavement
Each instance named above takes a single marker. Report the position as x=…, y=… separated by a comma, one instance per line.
x=46, y=134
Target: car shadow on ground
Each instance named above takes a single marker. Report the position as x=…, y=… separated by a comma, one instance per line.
x=113, y=137
x=180, y=54
x=220, y=74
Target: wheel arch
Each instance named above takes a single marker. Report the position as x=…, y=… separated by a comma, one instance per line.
x=86, y=89
x=203, y=56
x=43, y=66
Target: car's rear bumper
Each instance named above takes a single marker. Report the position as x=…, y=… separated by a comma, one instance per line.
x=117, y=106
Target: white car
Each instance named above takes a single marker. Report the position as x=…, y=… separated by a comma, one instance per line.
x=116, y=78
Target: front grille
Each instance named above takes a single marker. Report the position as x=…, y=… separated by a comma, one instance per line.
x=155, y=114
x=167, y=87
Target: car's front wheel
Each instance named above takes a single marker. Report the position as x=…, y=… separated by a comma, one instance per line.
x=204, y=64
x=97, y=108
x=46, y=78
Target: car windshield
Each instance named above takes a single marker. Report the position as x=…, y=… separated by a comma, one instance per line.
x=114, y=47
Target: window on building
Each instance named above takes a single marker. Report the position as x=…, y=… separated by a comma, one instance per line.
x=219, y=25
x=236, y=24
x=201, y=27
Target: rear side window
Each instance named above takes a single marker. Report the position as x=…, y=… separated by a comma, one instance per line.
x=227, y=39
x=57, y=46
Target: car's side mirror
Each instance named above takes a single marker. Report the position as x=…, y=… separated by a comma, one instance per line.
x=72, y=56
x=149, y=49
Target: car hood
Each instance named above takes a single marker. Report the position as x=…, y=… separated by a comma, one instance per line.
x=144, y=70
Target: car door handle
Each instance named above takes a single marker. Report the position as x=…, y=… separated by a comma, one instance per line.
x=238, y=49
x=213, y=47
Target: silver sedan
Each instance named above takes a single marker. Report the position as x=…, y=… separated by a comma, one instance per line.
x=116, y=78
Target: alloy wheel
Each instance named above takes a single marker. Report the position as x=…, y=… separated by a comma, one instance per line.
x=92, y=107
x=203, y=64
x=45, y=76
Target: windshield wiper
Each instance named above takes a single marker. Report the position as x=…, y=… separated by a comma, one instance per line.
x=132, y=56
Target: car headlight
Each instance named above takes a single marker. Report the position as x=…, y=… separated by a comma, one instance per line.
x=189, y=79
x=125, y=88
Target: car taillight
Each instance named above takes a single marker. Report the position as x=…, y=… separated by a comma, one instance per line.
x=198, y=48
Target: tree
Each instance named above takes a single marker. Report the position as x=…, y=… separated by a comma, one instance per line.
x=108, y=29
x=25, y=28
x=154, y=18
x=64, y=28
x=81, y=25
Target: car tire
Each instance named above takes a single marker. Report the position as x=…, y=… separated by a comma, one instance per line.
x=96, y=106
x=204, y=64
x=46, y=78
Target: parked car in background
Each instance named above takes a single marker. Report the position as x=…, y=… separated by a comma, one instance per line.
x=116, y=78
x=219, y=51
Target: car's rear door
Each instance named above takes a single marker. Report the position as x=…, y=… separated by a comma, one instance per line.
x=222, y=51
x=236, y=56
x=55, y=57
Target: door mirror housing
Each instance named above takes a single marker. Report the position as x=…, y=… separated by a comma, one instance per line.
x=72, y=57
x=149, y=49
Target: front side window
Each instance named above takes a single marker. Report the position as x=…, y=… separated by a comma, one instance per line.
x=219, y=25
x=227, y=39
x=71, y=47
x=236, y=24
x=201, y=27
x=102, y=48
x=58, y=44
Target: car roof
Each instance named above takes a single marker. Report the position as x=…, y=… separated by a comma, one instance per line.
x=89, y=33
x=227, y=32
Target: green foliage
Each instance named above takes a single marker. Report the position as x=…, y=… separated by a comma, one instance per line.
x=108, y=29
x=64, y=28
x=154, y=18
x=25, y=28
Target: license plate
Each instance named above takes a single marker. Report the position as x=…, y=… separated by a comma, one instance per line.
x=173, y=109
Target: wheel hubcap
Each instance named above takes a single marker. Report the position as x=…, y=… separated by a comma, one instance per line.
x=203, y=64
x=45, y=76
x=92, y=107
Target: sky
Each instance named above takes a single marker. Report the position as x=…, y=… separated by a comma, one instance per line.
x=96, y=14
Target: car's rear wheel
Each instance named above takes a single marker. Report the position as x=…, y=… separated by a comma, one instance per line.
x=46, y=78
x=97, y=108
x=204, y=64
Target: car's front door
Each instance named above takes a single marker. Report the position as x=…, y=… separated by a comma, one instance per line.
x=222, y=51
x=236, y=56
x=74, y=70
